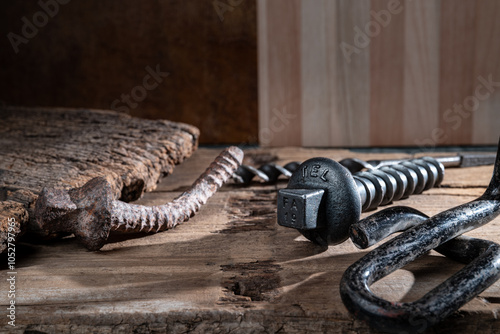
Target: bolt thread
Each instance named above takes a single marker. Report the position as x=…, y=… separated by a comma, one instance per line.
x=138, y=218
x=377, y=186
x=391, y=183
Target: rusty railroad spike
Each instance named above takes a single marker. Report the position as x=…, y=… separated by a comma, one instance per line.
x=91, y=213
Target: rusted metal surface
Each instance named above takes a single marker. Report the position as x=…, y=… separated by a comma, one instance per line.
x=90, y=212
x=66, y=148
x=12, y=225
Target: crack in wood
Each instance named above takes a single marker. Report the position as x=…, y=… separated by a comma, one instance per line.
x=252, y=281
x=257, y=281
x=254, y=211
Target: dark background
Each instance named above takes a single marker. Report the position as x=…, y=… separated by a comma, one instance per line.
x=91, y=52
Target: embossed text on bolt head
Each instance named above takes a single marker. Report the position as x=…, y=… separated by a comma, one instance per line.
x=326, y=201
x=298, y=208
x=346, y=195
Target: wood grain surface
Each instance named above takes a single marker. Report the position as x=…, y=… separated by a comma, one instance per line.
x=65, y=148
x=231, y=268
x=380, y=72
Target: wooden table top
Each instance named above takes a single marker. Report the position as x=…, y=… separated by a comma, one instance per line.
x=231, y=268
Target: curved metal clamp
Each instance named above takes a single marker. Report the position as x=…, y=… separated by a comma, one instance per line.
x=425, y=234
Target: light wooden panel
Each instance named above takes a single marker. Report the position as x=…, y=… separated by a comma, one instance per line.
x=386, y=66
x=359, y=78
x=351, y=118
x=421, y=70
x=328, y=93
x=279, y=59
x=487, y=55
x=317, y=87
x=456, y=69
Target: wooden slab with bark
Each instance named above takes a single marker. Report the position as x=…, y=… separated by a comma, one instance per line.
x=231, y=268
x=42, y=147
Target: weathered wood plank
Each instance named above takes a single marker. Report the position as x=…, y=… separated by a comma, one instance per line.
x=317, y=89
x=66, y=148
x=231, y=268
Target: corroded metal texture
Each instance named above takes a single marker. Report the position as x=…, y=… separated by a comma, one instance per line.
x=427, y=234
x=13, y=224
x=91, y=213
x=66, y=148
x=137, y=218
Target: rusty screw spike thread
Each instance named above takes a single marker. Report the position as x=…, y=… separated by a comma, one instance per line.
x=91, y=213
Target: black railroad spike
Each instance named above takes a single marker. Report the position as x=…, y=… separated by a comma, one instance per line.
x=271, y=172
x=323, y=198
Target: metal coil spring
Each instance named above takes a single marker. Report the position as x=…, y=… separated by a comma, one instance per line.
x=391, y=183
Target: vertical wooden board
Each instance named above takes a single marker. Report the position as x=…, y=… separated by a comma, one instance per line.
x=387, y=76
x=336, y=137
x=421, y=72
x=405, y=82
x=316, y=72
x=350, y=121
x=486, y=119
x=280, y=117
x=457, y=80
x=263, y=65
